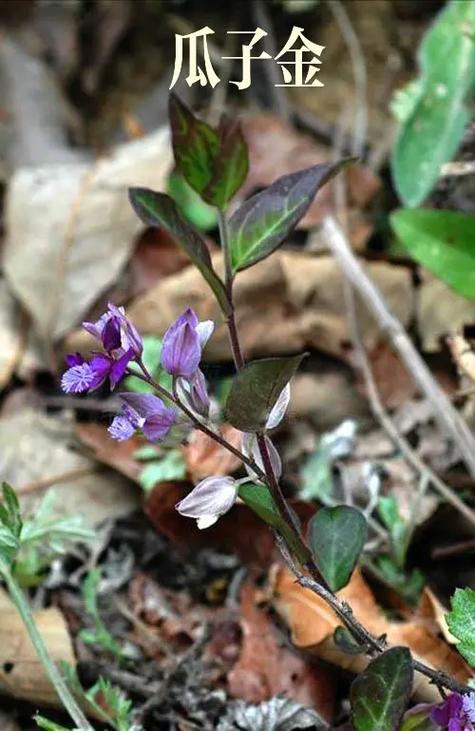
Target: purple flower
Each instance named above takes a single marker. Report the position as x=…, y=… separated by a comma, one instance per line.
x=142, y=411
x=456, y=713
x=194, y=394
x=115, y=331
x=88, y=375
x=183, y=343
x=211, y=498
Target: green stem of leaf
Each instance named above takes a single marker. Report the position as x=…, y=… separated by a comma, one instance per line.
x=23, y=608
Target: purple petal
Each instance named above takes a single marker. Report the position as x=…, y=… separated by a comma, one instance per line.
x=111, y=335
x=157, y=427
x=469, y=706
x=73, y=359
x=181, y=352
x=119, y=367
x=100, y=366
x=95, y=328
x=78, y=379
x=455, y=724
x=121, y=428
x=194, y=393
x=130, y=337
x=449, y=710
x=213, y=496
x=156, y=418
x=145, y=404
x=280, y=407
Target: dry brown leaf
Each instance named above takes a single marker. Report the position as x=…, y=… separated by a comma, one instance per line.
x=395, y=384
x=435, y=322
x=267, y=667
x=21, y=673
x=204, y=456
x=12, y=334
x=312, y=623
x=433, y=611
x=298, y=296
x=119, y=455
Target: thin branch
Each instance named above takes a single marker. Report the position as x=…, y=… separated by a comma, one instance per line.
x=450, y=420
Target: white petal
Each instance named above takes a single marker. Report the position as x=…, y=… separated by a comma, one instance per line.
x=280, y=407
x=251, y=449
x=211, y=496
x=205, y=330
x=206, y=521
x=341, y=441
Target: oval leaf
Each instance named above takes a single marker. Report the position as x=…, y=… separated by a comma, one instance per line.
x=434, y=127
x=379, y=696
x=158, y=209
x=337, y=536
x=230, y=166
x=255, y=390
x=264, y=221
x=443, y=241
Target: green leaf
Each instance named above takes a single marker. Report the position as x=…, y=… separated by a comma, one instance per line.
x=434, y=127
x=379, y=695
x=230, y=166
x=158, y=209
x=214, y=163
x=48, y=725
x=416, y=719
x=199, y=213
x=345, y=641
x=461, y=622
x=255, y=390
x=100, y=635
x=195, y=144
x=259, y=499
x=111, y=703
x=171, y=466
x=337, y=537
x=316, y=477
x=442, y=241
x=264, y=221
x=10, y=510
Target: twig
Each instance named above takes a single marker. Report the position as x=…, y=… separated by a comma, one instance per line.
x=450, y=420
x=375, y=645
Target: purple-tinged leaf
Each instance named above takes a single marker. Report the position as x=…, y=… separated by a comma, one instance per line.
x=264, y=221
x=337, y=536
x=230, y=166
x=379, y=696
x=214, y=163
x=195, y=145
x=158, y=209
x=255, y=390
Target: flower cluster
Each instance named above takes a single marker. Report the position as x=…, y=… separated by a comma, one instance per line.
x=181, y=353
x=456, y=713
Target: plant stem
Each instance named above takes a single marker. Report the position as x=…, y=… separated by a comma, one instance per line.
x=19, y=600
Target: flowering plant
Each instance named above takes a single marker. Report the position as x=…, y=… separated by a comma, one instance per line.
x=214, y=163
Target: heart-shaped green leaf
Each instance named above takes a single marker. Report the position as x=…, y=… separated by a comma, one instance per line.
x=158, y=209
x=337, y=536
x=214, y=163
x=379, y=696
x=443, y=241
x=461, y=621
x=264, y=221
x=256, y=388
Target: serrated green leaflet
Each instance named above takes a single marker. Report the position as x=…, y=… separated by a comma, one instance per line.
x=337, y=536
x=158, y=209
x=379, y=696
x=437, y=115
x=256, y=388
x=461, y=622
x=442, y=241
x=264, y=221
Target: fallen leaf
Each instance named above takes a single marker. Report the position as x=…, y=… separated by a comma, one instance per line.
x=7, y=723
x=395, y=384
x=299, y=298
x=79, y=231
x=267, y=667
x=432, y=611
x=118, y=455
x=12, y=334
x=205, y=457
x=434, y=322
x=312, y=623
x=21, y=673
x=37, y=453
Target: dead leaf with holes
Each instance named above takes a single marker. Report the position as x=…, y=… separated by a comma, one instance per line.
x=312, y=624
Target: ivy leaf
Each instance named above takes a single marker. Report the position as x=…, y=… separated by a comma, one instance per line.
x=442, y=241
x=379, y=696
x=337, y=537
x=438, y=116
x=461, y=622
x=256, y=388
x=158, y=209
x=214, y=163
x=264, y=221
